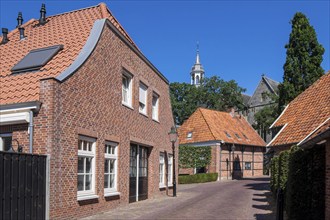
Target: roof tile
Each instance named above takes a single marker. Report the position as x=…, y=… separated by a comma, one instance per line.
x=305, y=113
x=70, y=29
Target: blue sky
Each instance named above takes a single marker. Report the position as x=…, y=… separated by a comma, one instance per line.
x=238, y=40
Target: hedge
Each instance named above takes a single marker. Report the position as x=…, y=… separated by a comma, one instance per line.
x=300, y=173
x=198, y=178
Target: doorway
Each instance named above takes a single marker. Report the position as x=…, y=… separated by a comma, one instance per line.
x=138, y=181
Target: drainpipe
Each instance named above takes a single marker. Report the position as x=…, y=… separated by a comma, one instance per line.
x=31, y=132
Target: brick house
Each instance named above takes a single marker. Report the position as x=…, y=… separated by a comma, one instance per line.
x=75, y=87
x=302, y=115
x=236, y=148
x=305, y=122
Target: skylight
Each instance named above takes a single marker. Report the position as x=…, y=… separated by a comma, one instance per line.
x=189, y=135
x=36, y=59
x=239, y=137
x=228, y=135
x=245, y=136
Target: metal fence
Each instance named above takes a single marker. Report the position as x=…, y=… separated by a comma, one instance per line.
x=22, y=186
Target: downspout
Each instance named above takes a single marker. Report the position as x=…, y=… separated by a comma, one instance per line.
x=31, y=132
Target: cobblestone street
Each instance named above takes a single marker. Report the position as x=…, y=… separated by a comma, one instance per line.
x=237, y=199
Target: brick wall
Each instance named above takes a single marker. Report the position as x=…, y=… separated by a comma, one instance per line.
x=90, y=103
x=327, y=180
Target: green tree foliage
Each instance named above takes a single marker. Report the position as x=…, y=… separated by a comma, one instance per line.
x=214, y=93
x=191, y=157
x=303, y=60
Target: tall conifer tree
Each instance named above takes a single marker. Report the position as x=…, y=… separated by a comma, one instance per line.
x=303, y=60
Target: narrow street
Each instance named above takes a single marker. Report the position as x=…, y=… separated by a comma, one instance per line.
x=243, y=199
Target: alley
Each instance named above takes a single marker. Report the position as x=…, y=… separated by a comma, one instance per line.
x=243, y=199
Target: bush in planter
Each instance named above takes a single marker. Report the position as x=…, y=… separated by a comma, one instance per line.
x=198, y=178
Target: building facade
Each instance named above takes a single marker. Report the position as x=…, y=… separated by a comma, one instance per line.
x=260, y=99
x=98, y=108
x=236, y=149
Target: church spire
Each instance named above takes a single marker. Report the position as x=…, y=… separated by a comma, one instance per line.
x=197, y=54
x=197, y=71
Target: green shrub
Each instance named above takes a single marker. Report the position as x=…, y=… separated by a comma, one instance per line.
x=283, y=167
x=274, y=174
x=198, y=178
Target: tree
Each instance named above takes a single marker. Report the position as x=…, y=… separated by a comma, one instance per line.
x=303, y=60
x=214, y=93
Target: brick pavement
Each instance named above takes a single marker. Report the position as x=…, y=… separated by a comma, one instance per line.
x=243, y=199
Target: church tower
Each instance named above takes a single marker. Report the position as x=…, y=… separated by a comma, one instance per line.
x=197, y=71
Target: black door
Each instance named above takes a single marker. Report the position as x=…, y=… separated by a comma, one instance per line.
x=138, y=159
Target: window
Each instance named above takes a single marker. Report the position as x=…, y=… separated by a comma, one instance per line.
x=5, y=141
x=170, y=170
x=86, y=167
x=127, y=89
x=189, y=135
x=110, y=167
x=161, y=170
x=245, y=136
x=155, y=99
x=248, y=165
x=143, y=98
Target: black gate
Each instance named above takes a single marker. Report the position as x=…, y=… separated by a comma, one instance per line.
x=22, y=186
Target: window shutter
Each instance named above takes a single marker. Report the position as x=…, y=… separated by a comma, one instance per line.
x=142, y=94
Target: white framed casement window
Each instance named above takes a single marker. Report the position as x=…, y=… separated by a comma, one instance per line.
x=170, y=170
x=155, y=108
x=161, y=170
x=143, y=98
x=110, y=168
x=127, y=89
x=5, y=141
x=86, y=168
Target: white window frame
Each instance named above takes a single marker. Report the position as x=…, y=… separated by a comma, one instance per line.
x=87, y=194
x=1, y=140
x=170, y=170
x=128, y=90
x=107, y=157
x=162, y=170
x=155, y=107
x=143, y=99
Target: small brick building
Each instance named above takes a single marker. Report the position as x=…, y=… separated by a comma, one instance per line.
x=75, y=87
x=305, y=122
x=236, y=148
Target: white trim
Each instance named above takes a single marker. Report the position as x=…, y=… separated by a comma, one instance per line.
x=302, y=141
x=87, y=197
x=279, y=116
x=276, y=135
x=14, y=118
x=111, y=194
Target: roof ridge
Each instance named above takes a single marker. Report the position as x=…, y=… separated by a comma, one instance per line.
x=265, y=78
x=79, y=9
x=200, y=109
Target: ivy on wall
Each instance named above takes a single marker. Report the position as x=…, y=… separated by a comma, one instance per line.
x=191, y=157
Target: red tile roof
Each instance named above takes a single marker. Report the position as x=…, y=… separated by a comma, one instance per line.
x=305, y=113
x=70, y=29
x=210, y=125
x=319, y=131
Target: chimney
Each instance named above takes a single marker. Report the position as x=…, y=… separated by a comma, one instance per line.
x=4, y=35
x=19, y=20
x=21, y=33
x=42, y=19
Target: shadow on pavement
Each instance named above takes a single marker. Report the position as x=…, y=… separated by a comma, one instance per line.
x=268, y=203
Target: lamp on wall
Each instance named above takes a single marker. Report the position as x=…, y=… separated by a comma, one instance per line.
x=19, y=147
x=173, y=135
